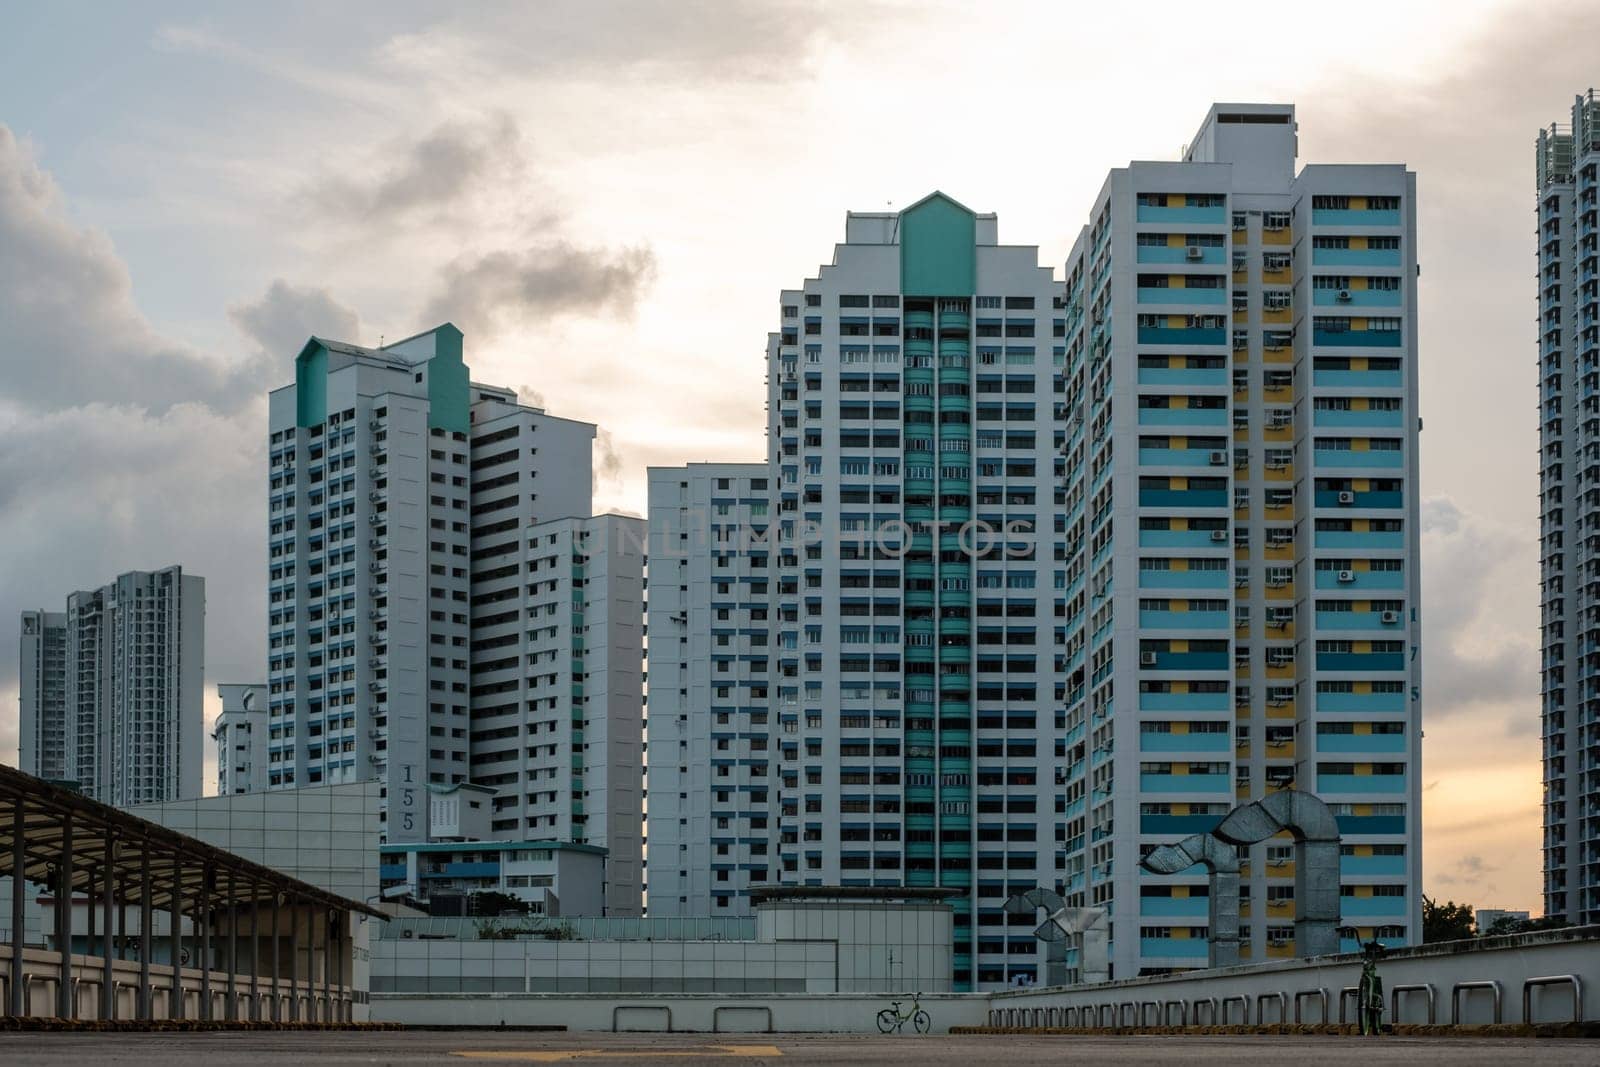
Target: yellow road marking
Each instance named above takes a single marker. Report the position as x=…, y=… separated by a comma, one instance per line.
x=562, y=1055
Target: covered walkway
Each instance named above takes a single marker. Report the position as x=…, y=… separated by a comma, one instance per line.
x=165, y=926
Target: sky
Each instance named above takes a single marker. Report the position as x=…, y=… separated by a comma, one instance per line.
x=607, y=196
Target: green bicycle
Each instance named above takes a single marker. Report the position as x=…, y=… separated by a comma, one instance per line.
x=891, y=1019
x=1369, y=992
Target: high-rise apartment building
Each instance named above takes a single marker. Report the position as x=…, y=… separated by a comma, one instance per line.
x=409, y=525
x=42, y=672
x=1045, y=574
x=240, y=734
x=557, y=676
x=713, y=755
x=111, y=689
x=1239, y=424
x=1568, y=177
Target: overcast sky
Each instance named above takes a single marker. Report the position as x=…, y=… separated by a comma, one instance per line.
x=607, y=197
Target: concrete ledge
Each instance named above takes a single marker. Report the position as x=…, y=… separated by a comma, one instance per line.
x=1502, y=1030
x=44, y=1023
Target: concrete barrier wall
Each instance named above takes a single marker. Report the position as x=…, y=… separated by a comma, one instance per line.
x=40, y=977
x=796, y=1013
x=1270, y=992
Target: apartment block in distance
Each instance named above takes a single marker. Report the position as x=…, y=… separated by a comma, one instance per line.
x=111, y=689
x=240, y=734
x=412, y=599
x=1239, y=424
x=1043, y=574
x=1568, y=177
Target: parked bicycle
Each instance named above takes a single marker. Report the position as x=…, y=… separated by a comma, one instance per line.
x=1369, y=992
x=891, y=1019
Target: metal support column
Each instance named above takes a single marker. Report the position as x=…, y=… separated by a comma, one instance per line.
x=255, y=952
x=175, y=938
x=327, y=951
x=232, y=1009
x=19, y=883
x=340, y=921
x=147, y=997
x=65, y=987
x=294, y=960
x=276, y=1010
x=203, y=920
x=108, y=885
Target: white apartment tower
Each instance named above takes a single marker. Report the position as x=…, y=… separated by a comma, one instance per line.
x=1240, y=427
x=557, y=724
x=111, y=689
x=1568, y=176
x=240, y=735
x=712, y=752
x=1044, y=575
x=406, y=506
x=42, y=692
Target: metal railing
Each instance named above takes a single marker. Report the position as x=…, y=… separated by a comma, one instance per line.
x=1530, y=984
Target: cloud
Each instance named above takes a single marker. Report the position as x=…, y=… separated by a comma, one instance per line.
x=488, y=293
x=427, y=176
x=121, y=449
x=281, y=320
x=1475, y=653
x=66, y=302
x=607, y=460
x=690, y=42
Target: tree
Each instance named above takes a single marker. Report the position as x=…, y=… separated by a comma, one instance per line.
x=1445, y=922
x=1507, y=925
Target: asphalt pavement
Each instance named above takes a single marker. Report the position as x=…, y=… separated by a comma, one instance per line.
x=465, y=1048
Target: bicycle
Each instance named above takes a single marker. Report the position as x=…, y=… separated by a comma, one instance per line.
x=1369, y=992
x=891, y=1019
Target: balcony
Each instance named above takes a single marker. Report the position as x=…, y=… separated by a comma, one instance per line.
x=1355, y=257
x=1358, y=458
x=1360, y=783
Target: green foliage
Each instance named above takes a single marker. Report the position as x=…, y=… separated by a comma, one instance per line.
x=1446, y=922
x=1508, y=925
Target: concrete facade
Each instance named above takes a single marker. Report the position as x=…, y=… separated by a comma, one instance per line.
x=554, y=878
x=421, y=631
x=798, y=947
x=1568, y=180
x=240, y=736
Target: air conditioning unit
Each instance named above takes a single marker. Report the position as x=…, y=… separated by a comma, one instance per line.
x=375, y=424
x=374, y=496
x=1147, y=659
x=374, y=614
x=1346, y=496
x=1346, y=577
x=375, y=661
x=1344, y=296
x=374, y=519
x=374, y=686
x=377, y=448
x=374, y=566
x=373, y=542
x=1194, y=252
x=1219, y=535
x=1389, y=618
x=1219, y=458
